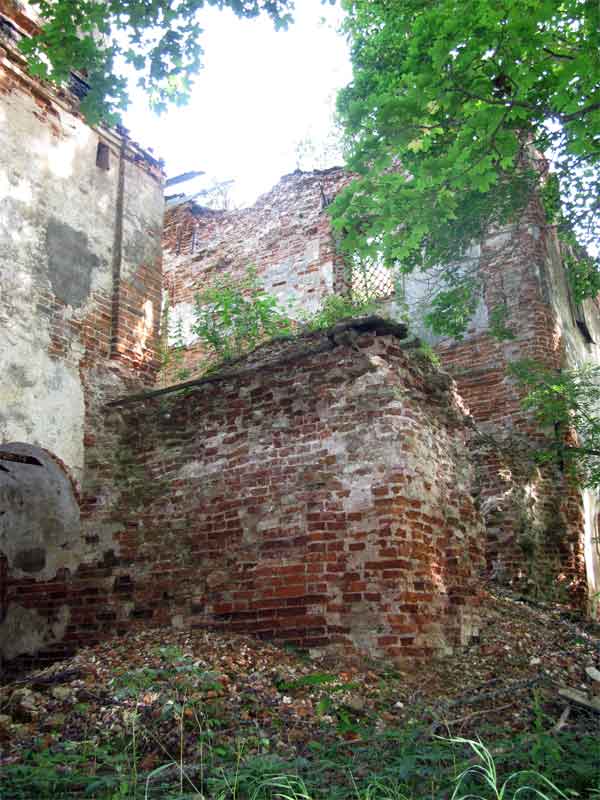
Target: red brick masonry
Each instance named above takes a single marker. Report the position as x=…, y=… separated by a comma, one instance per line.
x=318, y=494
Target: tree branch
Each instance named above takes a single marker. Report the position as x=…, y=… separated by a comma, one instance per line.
x=545, y=110
x=586, y=451
x=558, y=55
x=576, y=114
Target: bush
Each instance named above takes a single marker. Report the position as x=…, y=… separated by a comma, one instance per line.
x=335, y=307
x=234, y=315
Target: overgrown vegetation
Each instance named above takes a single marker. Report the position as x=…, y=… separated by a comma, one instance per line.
x=336, y=307
x=233, y=315
x=453, y=106
x=195, y=714
x=172, y=344
x=354, y=759
x=565, y=403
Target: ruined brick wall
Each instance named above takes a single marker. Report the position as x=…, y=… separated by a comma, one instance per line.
x=537, y=524
x=286, y=236
x=80, y=276
x=579, y=331
x=319, y=494
x=541, y=531
x=80, y=266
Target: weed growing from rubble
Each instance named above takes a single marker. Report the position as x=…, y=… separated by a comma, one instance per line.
x=172, y=345
x=335, y=308
x=234, y=315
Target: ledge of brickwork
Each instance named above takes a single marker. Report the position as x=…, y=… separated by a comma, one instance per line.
x=284, y=350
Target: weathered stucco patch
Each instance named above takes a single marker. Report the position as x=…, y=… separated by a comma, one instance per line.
x=26, y=631
x=591, y=506
x=41, y=398
x=39, y=514
x=70, y=262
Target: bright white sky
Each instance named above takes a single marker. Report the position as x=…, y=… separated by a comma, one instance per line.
x=260, y=92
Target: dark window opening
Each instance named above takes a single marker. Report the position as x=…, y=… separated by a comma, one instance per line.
x=78, y=86
x=325, y=199
x=9, y=29
x=578, y=315
x=102, y=156
x=19, y=459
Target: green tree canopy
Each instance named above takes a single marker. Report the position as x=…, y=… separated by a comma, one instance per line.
x=450, y=102
x=106, y=39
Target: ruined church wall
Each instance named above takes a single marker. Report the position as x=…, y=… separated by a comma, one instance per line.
x=62, y=309
x=80, y=293
x=541, y=531
x=579, y=346
x=535, y=520
x=286, y=236
x=318, y=494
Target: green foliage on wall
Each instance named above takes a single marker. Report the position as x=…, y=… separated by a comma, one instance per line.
x=566, y=404
x=451, y=108
x=234, y=315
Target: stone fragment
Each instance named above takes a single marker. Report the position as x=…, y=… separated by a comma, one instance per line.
x=55, y=722
x=61, y=693
x=593, y=674
x=25, y=705
x=355, y=702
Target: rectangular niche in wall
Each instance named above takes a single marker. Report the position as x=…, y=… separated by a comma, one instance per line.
x=103, y=156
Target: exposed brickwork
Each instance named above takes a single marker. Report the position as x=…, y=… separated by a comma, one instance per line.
x=322, y=498
x=325, y=491
x=286, y=236
x=534, y=518
x=64, y=351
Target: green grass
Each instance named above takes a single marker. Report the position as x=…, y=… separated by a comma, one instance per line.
x=188, y=743
x=398, y=764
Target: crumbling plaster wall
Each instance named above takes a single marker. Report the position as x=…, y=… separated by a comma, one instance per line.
x=58, y=214
x=80, y=293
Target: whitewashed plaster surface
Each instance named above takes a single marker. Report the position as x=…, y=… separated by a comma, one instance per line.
x=49, y=185
x=57, y=229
